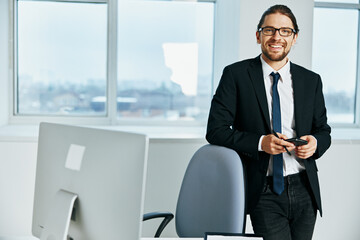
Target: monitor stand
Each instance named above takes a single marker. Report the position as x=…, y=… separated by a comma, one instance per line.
x=56, y=226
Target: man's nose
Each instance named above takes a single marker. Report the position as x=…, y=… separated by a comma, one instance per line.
x=277, y=34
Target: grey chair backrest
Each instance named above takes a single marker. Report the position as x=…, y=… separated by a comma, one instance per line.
x=212, y=194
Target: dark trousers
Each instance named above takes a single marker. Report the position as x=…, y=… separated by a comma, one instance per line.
x=289, y=216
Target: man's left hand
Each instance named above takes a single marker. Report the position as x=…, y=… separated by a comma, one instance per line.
x=306, y=151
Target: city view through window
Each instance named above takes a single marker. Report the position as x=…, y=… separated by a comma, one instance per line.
x=164, y=65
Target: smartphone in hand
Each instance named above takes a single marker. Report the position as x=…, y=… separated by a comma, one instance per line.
x=297, y=141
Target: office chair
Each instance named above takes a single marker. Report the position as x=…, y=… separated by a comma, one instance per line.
x=212, y=195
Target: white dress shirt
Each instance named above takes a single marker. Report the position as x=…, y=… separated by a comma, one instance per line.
x=292, y=164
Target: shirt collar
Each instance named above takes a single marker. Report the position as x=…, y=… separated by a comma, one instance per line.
x=267, y=69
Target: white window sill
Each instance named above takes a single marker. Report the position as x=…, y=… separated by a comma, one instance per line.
x=29, y=133
x=345, y=135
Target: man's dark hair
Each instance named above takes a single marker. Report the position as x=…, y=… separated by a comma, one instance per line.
x=282, y=9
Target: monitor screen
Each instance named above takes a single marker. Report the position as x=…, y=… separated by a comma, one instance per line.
x=94, y=177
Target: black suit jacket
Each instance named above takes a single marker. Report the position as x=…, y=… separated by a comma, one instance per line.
x=239, y=116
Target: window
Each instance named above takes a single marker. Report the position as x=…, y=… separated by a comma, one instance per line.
x=61, y=57
x=164, y=59
x=116, y=60
x=335, y=58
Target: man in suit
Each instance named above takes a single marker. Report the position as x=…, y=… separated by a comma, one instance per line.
x=260, y=103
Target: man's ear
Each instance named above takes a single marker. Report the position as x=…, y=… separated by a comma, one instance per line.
x=294, y=40
x=258, y=37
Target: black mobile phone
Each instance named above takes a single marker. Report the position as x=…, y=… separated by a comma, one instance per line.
x=297, y=141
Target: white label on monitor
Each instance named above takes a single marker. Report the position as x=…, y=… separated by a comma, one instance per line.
x=74, y=157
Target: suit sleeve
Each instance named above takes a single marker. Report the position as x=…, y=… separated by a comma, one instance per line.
x=223, y=113
x=320, y=129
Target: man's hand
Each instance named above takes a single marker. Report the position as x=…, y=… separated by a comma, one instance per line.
x=306, y=151
x=273, y=145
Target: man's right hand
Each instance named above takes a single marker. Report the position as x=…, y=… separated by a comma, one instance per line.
x=274, y=145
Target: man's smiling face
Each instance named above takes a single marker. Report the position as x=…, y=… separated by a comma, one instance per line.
x=275, y=48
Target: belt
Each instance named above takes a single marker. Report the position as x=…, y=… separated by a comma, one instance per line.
x=298, y=177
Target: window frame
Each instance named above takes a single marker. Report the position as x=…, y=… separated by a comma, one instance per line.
x=15, y=118
x=353, y=6
x=110, y=117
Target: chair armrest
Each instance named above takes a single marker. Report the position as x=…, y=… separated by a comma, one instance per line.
x=167, y=218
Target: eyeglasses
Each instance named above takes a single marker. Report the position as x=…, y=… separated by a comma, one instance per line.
x=270, y=31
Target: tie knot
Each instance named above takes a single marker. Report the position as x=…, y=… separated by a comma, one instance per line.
x=276, y=77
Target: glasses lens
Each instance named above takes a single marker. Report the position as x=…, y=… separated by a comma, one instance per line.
x=286, y=32
x=268, y=31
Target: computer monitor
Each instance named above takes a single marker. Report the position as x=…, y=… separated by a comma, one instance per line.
x=93, y=176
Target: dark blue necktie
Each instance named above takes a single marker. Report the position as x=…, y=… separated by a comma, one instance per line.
x=278, y=178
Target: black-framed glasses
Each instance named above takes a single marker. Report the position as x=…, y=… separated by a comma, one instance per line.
x=270, y=31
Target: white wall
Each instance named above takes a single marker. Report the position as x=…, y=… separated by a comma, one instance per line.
x=168, y=159
x=340, y=188
x=17, y=181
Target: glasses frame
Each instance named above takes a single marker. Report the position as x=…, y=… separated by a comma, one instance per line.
x=293, y=31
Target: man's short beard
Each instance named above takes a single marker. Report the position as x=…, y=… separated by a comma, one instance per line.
x=275, y=59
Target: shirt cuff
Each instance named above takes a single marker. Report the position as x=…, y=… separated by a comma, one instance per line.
x=259, y=144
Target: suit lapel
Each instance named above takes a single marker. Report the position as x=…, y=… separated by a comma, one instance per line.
x=257, y=78
x=299, y=96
